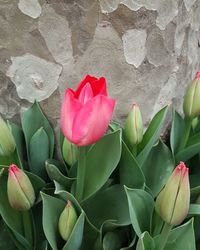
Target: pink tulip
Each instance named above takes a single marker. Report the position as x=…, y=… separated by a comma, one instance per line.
x=86, y=112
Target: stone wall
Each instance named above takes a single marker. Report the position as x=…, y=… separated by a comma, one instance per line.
x=147, y=50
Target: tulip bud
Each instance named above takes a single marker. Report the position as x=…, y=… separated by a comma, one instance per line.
x=7, y=142
x=70, y=152
x=134, y=126
x=172, y=203
x=191, y=104
x=67, y=221
x=21, y=194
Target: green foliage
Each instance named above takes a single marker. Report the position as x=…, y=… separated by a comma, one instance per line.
x=116, y=207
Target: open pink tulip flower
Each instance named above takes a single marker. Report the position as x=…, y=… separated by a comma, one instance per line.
x=86, y=112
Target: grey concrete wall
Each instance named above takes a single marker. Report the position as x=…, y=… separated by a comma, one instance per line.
x=148, y=50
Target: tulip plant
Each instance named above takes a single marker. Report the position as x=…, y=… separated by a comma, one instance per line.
x=112, y=187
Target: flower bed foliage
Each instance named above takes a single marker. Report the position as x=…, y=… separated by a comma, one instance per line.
x=116, y=190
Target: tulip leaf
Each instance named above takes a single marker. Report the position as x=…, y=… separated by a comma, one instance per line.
x=55, y=175
x=181, y=238
x=141, y=205
x=75, y=240
x=90, y=231
x=176, y=133
x=189, y=151
x=52, y=208
x=145, y=242
x=19, y=140
x=158, y=167
x=38, y=152
x=130, y=173
x=151, y=135
x=101, y=160
x=115, y=207
x=114, y=240
x=194, y=210
x=6, y=240
x=34, y=119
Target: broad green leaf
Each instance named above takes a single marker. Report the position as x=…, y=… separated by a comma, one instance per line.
x=90, y=232
x=151, y=135
x=75, y=240
x=55, y=175
x=6, y=240
x=101, y=160
x=177, y=129
x=194, y=210
x=182, y=238
x=20, y=142
x=114, y=240
x=188, y=152
x=32, y=120
x=52, y=208
x=115, y=207
x=130, y=173
x=114, y=126
x=145, y=242
x=38, y=152
x=141, y=205
x=158, y=167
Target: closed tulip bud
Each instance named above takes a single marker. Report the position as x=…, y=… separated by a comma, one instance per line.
x=7, y=142
x=21, y=194
x=172, y=203
x=67, y=221
x=70, y=152
x=134, y=126
x=191, y=104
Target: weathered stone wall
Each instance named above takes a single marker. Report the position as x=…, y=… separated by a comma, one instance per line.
x=148, y=50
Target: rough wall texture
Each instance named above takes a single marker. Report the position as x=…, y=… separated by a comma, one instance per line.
x=147, y=50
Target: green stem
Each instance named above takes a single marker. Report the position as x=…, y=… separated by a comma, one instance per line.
x=28, y=227
x=186, y=133
x=164, y=236
x=81, y=173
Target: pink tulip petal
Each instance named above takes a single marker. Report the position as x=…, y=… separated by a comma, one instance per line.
x=86, y=94
x=87, y=79
x=69, y=109
x=92, y=120
x=99, y=87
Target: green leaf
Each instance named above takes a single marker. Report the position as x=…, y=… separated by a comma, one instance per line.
x=145, y=242
x=182, y=237
x=141, y=205
x=6, y=241
x=151, y=135
x=32, y=120
x=158, y=167
x=130, y=173
x=114, y=240
x=194, y=210
x=52, y=208
x=90, y=232
x=188, y=152
x=114, y=203
x=38, y=152
x=76, y=237
x=55, y=175
x=101, y=160
x=176, y=133
x=20, y=142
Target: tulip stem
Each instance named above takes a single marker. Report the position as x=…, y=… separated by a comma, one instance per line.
x=164, y=236
x=81, y=173
x=186, y=133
